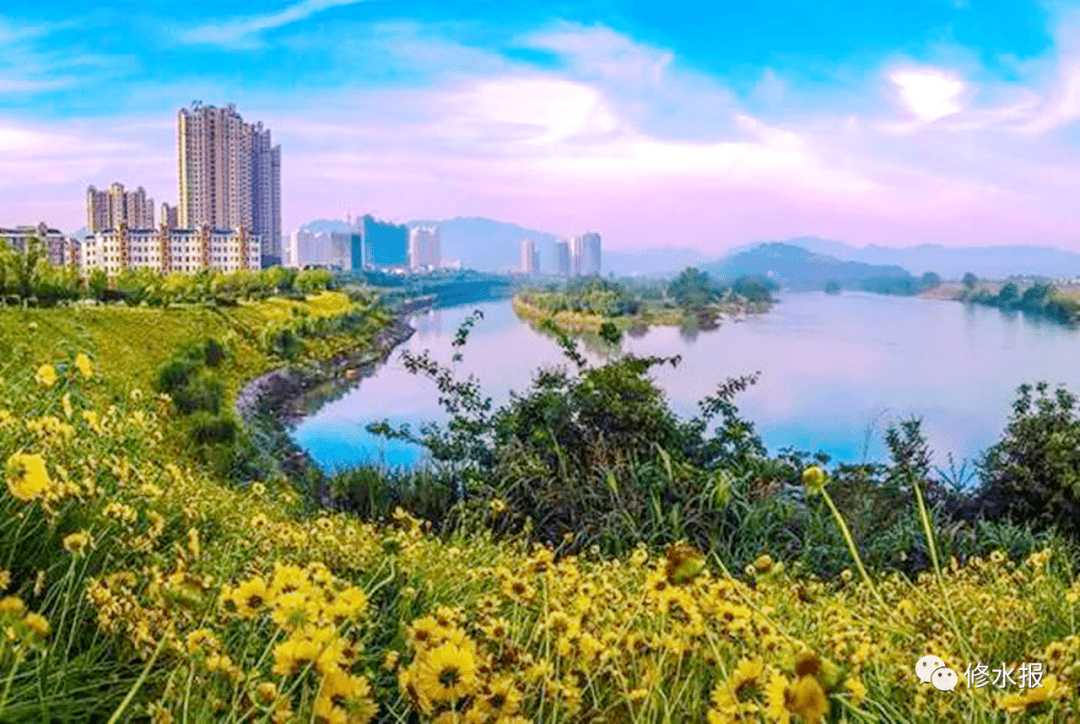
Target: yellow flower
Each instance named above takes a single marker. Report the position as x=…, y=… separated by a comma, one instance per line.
x=77, y=542
x=27, y=476
x=5, y=579
x=447, y=673
x=69, y=410
x=808, y=700
x=814, y=479
x=46, y=376
x=267, y=691
x=37, y=623
x=84, y=365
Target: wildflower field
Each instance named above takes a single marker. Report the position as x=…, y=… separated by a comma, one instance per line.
x=141, y=585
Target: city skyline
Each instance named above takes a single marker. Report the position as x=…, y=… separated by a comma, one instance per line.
x=945, y=122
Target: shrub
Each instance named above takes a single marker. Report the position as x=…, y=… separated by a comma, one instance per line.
x=1033, y=474
x=213, y=429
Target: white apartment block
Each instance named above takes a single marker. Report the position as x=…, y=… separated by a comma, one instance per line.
x=230, y=174
x=108, y=208
x=585, y=254
x=170, y=250
x=424, y=251
x=62, y=251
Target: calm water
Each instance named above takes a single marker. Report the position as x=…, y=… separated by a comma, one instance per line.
x=836, y=370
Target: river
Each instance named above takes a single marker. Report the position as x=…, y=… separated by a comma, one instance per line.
x=835, y=371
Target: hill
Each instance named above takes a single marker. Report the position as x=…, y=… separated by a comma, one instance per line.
x=988, y=262
x=798, y=268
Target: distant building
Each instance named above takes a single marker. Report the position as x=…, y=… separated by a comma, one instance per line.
x=562, y=257
x=299, y=250
x=170, y=250
x=356, y=248
x=386, y=245
x=590, y=254
x=62, y=251
x=109, y=208
x=576, y=252
x=168, y=216
x=339, y=254
x=424, y=251
x=530, y=260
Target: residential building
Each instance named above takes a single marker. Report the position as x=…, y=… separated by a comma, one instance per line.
x=590, y=253
x=340, y=251
x=562, y=257
x=62, y=251
x=108, y=209
x=169, y=217
x=170, y=250
x=576, y=252
x=229, y=173
x=386, y=245
x=300, y=250
x=424, y=252
x=530, y=260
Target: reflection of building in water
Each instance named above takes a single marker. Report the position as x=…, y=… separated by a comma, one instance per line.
x=428, y=324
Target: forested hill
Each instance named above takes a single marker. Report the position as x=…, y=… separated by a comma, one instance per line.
x=797, y=268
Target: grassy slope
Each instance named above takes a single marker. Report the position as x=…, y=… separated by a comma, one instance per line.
x=128, y=344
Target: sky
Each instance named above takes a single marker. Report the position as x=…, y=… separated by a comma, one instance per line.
x=656, y=124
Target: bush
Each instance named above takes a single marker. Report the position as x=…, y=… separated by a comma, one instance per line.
x=213, y=429
x=1033, y=474
x=204, y=391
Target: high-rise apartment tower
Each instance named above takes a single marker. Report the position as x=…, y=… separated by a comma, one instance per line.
x=230, y=174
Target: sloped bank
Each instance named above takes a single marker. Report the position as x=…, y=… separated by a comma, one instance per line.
x=269, y=404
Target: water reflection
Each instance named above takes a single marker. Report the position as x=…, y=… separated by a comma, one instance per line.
x=835, y=371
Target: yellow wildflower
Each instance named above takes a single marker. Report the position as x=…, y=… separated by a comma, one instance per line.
x=84, y=365
x=27, y=476
x=46, y=376
x=77, y=542
x=447, y=673
x=37, y=623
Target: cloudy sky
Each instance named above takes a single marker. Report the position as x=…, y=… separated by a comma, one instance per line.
x=940, y=121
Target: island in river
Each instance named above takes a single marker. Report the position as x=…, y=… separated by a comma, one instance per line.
x=588, y=303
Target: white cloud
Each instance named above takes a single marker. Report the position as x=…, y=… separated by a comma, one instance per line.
x=532, y=110
x=239, y=32
x=929, y=94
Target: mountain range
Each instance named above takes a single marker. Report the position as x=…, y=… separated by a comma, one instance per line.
x=795, y=267
x=951, y=262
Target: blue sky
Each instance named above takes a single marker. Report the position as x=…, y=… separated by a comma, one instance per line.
x=951, y=121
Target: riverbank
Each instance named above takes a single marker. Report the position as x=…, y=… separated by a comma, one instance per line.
x=583, y=322
x=272, y=402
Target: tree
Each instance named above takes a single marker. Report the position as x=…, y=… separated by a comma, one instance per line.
x=1008, y=294
x=832, y=287
x=1033, y=474
x=930, y=280
x=752, y=289
x=970, y=280
x=692, y=289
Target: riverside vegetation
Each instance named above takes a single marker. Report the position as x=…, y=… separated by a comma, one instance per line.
x=591, y=557
x=589, y=303
x=1040, y=298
